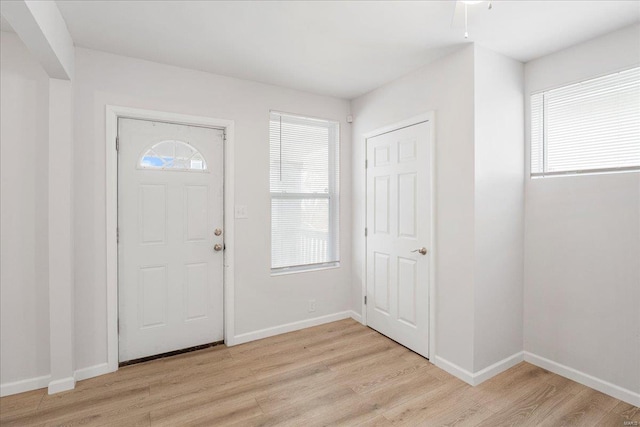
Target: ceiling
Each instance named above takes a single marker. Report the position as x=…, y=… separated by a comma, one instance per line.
x=337, y=48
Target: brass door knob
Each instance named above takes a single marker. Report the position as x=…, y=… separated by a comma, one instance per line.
x=217, y=247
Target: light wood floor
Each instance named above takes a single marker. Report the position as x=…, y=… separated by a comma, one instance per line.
x=340, y=373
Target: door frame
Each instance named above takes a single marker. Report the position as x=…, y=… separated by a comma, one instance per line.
x=425, y=117
x=113, y=113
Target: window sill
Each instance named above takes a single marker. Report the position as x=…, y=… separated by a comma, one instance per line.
x=304, y=269
x=633, y=169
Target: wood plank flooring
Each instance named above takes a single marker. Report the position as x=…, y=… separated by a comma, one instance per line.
x=340, y=373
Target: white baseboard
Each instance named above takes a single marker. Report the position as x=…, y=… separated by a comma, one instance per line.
x=93, y=371
x=103, y=368
x=482, y=375
x=356, y=316
x=453, y=369
x=63, y=384
x=21, y=386
x=54, y=386
x=497, y=368
x=289, y=327
x=585, y=379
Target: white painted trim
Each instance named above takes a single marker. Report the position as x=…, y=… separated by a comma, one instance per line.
x=426, y=117
x=92, y=371
x=63, y=384
x=603, y=386
x=111, y=131
x=42, y=28
x=229, y=229
x=497, y=368
x=453, y=369
x=481, y=376
x=431, y=116
x=356, y=316
x=45, y=381
x=111, y=224
x=290, y=327
x=15, y=387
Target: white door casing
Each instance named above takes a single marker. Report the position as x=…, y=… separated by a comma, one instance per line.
x=399, y=223
x=170, y=279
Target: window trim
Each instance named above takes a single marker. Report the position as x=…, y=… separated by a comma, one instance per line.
x=592, y=171
x=332, y=195
x=305, y=268
x=625, y=169
x=583, y=79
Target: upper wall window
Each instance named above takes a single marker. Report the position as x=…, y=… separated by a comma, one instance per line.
x=587, y=127
x=304, y=181
x=172, y=155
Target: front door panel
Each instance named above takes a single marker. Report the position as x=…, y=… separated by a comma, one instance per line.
x=170, y=278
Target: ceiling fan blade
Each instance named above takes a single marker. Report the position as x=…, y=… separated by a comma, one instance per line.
x=457, y=15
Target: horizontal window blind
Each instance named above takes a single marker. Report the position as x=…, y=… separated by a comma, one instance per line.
x=304, y=181
x=592, y=126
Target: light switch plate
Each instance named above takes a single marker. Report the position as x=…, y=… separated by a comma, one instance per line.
x=241, y=212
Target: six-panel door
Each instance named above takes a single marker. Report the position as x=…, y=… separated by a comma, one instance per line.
x=398, y=227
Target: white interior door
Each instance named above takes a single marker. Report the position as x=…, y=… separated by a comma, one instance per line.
x=398, y=233
x=170, y=203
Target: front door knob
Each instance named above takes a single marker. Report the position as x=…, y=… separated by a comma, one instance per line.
x=217, y=247
x=422, y=251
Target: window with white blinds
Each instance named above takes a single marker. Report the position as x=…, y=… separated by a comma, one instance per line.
x=304, y=180
x=588, y=127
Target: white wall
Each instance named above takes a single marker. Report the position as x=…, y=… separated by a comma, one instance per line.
x=477, y=98
x=61, y=231
x=24, y=310
x=446, y=87
x=262, y=301
x=582, y=241
x=499, y=207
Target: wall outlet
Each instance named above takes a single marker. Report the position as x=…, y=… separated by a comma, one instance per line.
x=312, y=305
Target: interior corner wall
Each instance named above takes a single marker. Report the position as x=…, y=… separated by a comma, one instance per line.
x=261, y=301
x=24, y=292
x=446, y=87
x=499, y=208
x=582, y=240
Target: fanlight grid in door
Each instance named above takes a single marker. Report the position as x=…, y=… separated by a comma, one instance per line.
x=172, y=155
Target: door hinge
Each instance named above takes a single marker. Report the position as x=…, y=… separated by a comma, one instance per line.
x=365, y=300
x=118, y=326
x=366, y=164
x=117, y=234
x=366, y=231
x=117, y=143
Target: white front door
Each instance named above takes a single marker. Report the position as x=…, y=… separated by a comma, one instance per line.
x=398, y=234
x=170, y=205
